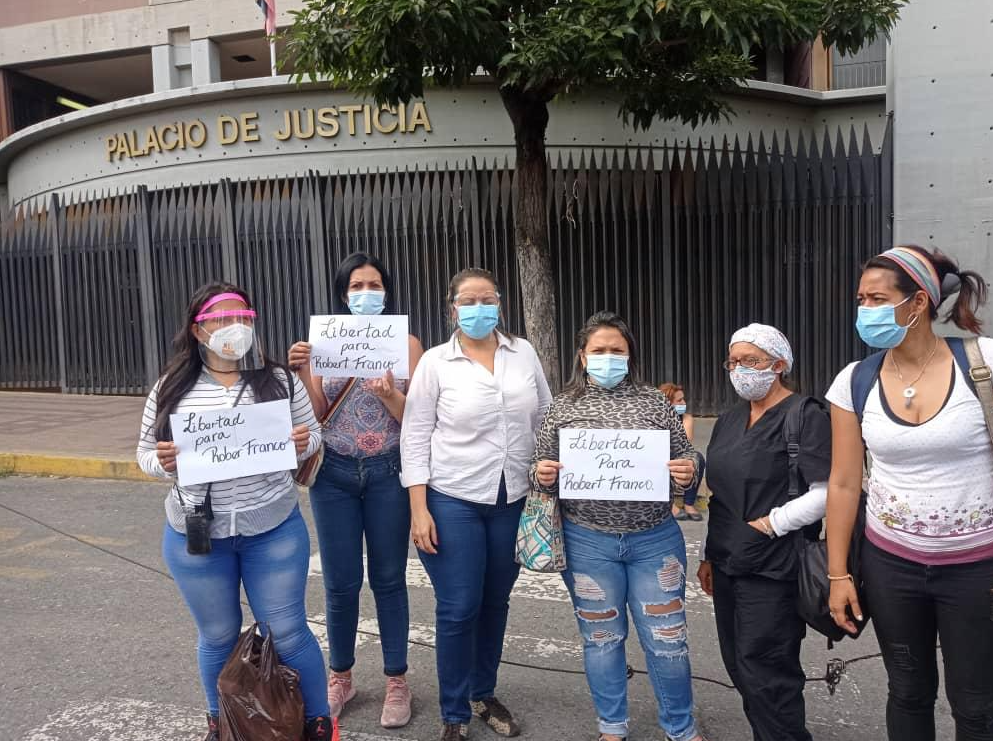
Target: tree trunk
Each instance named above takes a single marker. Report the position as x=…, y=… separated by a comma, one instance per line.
x=534, y=261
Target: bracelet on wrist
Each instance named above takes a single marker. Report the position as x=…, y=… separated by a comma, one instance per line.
x=845, y=577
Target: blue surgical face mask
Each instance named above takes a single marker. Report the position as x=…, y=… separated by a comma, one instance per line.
x=607, y=370
x=680, y=409
x=478, y=320
x=878, y=327
x=367, y=302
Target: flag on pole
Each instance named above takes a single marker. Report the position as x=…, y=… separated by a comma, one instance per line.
x=268, y=8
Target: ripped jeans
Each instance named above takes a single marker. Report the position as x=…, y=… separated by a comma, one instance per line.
x=645, y=572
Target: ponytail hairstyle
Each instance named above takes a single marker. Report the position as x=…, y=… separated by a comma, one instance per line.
x=183, y=370
x=970, y=287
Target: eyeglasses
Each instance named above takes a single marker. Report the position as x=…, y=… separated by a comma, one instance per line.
x=471, y=299
x=749, y=362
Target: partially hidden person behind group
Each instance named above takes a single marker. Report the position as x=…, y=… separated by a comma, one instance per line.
x=677, y=397
x=257, y=537
x=750, y=560
x=467, y=438
x=927, y=556
x=623, y=555
x=357, y=494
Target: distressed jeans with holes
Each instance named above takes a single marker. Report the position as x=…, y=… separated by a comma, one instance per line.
x=913, y=608
x=610, y=574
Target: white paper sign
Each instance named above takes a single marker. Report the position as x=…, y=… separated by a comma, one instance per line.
x=624, y=465
x=347, y=345
x=230, y=442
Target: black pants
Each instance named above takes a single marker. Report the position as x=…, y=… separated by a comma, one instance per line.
x=760, y=635
x=912, y=607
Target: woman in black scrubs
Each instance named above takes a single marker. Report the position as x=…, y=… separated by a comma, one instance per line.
x=749, y=564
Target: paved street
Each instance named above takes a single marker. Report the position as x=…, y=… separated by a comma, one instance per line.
x=96, y=643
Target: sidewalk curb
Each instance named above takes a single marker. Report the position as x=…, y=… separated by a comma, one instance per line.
x=34, y=464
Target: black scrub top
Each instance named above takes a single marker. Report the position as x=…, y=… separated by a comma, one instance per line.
x=748, y=475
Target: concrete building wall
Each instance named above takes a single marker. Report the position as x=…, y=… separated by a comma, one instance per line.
x=20, y=12
x=940, y=93
x=144, y=25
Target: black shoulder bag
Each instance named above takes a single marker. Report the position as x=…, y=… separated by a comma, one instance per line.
x=812, y=573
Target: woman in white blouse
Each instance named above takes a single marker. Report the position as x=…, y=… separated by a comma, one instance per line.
x=468, y=433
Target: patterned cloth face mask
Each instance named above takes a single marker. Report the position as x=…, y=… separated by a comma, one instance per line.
x=753, y=384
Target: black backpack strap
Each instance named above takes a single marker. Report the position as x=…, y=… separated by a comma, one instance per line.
x=793, y=431
x=792, y=428
x=864, y=377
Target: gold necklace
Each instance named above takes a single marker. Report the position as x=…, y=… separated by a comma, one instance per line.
x=909, y=392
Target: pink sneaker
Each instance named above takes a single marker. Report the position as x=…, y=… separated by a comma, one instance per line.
x=340, y=691
x=396, y=707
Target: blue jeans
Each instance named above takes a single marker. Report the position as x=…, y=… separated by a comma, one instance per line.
x=609, y=573
x=273, y=568
x=689, y=496
x=473, y=574
x=352, y=498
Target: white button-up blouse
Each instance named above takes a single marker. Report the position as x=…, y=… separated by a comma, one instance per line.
x=463, y=427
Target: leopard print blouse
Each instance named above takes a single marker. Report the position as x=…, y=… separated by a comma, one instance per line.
x=624, y=407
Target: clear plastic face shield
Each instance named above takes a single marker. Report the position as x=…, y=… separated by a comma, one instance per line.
x=225, y=327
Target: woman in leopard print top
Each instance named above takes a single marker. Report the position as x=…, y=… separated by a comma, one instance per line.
x=623, y=554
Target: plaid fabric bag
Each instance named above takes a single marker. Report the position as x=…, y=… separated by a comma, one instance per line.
x=540, y=545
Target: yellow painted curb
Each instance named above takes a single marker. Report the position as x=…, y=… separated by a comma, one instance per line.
x=32, y=464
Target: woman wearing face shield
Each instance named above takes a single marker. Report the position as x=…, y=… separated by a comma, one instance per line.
x=473, y=407
x=622, y=555
x=927, y=558
x=357, y=496
x=257, y=537
x=749, y=565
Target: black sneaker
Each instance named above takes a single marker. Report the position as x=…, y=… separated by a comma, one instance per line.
x=454, y=732
x=212, y=731
x=496, y=716
x=318, y=729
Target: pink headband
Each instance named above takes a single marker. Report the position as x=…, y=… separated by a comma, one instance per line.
x=250, y=313
x=204, y=314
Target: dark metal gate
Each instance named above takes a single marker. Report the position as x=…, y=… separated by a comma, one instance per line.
x=688, y=244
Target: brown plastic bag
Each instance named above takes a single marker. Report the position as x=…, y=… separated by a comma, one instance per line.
x=259, y=697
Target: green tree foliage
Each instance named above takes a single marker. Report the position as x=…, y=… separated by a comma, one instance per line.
x=667, y=59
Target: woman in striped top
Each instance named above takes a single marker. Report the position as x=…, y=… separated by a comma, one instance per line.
x=258, y=537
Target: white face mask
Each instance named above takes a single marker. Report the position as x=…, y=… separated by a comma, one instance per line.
x=232, y=342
